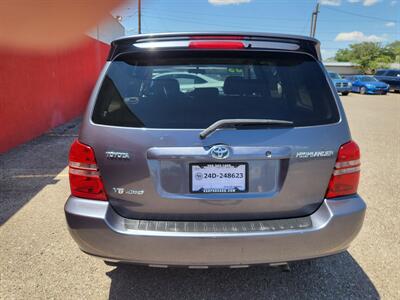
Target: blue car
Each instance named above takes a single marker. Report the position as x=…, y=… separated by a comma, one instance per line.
x=365, y=84
x=342, y=85
x=391, y=77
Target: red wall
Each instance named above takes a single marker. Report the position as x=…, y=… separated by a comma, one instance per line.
x=39, y=92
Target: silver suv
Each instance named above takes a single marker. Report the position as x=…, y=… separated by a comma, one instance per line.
x=207, y=149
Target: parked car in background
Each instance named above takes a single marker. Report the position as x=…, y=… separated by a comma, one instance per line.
x=391, y=77
x=366, y=84
x=342, y=85
x=191, y=81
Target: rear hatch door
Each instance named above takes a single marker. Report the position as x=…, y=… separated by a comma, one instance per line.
x=146, y=135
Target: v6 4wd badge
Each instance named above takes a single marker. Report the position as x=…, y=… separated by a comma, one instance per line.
x=121, y=191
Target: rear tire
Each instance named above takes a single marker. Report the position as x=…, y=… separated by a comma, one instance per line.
x=363, y=90
x=345, y=93
x=111, y=263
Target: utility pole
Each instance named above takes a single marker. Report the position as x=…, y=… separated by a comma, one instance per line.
x=314, y=18
x=312, y=24
x=139, y=18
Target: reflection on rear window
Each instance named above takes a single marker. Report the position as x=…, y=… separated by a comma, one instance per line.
x=196, y=90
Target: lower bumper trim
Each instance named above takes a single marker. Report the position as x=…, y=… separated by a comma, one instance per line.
x=214, y=228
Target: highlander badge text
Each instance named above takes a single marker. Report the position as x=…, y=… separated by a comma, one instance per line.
x=312, y=154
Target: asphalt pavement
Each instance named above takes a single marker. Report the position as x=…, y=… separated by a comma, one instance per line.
x=38, y=258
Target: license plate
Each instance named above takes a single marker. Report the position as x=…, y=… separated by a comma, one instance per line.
x=218, y=177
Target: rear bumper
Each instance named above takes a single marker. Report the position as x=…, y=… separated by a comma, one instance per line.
x=100, y=231
x=377, y=91
x=394, y=86
x=343, y=89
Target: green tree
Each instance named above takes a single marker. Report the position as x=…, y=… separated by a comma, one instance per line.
x=394, y=49
x=369, y=55
x=343, y=55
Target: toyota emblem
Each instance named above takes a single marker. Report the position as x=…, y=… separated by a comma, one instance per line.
x=220, y=152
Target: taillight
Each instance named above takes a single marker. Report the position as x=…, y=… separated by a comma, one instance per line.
x=84, y=175
x=346, y=174
x=216, y=45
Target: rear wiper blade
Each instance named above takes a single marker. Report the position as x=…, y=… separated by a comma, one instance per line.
x=239, y=122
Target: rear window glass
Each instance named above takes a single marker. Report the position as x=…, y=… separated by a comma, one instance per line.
x=198, y=88
x=393, y=73
x=380, y=72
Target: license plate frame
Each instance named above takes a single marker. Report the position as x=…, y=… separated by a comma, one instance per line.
x=233, y=164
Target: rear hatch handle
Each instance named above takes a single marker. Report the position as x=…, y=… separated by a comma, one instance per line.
x=242, y=122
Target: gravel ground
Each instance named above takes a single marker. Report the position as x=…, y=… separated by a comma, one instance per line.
x=38, y=259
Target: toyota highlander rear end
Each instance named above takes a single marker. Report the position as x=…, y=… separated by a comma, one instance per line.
x=214, y=149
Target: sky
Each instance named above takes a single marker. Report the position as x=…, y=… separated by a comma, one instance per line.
x=340, y=22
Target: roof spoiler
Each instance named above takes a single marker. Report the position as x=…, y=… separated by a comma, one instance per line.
x=175, y=40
